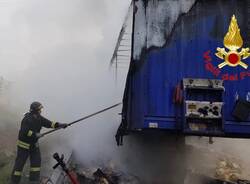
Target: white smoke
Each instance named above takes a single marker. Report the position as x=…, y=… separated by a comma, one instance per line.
x=58, y=52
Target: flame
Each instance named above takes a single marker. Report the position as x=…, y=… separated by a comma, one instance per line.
x=233, y=39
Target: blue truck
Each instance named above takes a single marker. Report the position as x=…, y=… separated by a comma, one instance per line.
x=189, y=71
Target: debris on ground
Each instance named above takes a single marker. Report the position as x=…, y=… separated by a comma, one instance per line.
x=105, y=176
x=228, y=170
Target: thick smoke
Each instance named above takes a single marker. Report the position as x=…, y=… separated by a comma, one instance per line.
x=68, y=45
x=58, y=52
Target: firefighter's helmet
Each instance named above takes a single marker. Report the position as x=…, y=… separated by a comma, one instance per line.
x=35, y=106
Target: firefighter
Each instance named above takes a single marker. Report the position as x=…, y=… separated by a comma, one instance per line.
x=27, y=145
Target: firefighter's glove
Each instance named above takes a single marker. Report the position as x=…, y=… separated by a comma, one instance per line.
x=39, y=135
x=62, y=125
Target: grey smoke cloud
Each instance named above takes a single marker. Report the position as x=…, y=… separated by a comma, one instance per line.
x=58, y=52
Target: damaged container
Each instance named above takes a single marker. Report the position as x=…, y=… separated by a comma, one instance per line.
x=190, y=68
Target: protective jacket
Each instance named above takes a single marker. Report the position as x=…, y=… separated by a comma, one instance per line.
x=30, y=125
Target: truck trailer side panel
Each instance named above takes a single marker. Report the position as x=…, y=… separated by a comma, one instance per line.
x=176, y=41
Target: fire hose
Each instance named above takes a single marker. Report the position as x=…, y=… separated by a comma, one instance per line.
x=81, y=119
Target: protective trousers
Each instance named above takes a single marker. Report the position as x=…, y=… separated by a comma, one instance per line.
x=35, y=163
